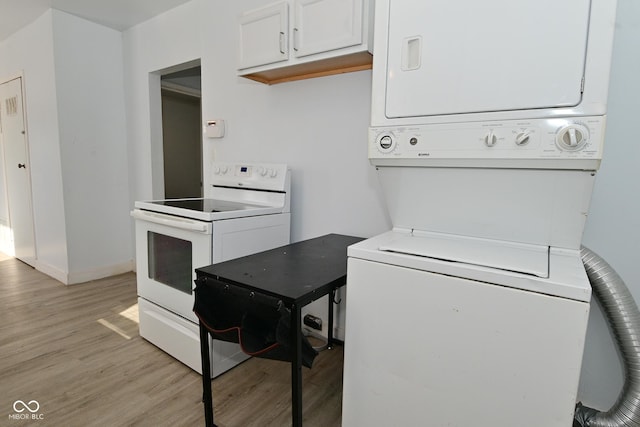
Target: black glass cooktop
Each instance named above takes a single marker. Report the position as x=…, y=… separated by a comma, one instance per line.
x=205, y=205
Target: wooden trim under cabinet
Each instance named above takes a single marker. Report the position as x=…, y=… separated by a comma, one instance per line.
x=325, y=67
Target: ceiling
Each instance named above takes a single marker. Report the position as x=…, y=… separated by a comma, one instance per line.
x=117, y=14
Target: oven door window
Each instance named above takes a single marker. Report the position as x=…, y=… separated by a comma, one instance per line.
x=170, y=261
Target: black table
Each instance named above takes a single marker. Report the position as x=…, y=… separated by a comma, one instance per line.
x=297, y=274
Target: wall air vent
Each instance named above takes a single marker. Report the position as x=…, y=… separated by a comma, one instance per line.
x=11, y=106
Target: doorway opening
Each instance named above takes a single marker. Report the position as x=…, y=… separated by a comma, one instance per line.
x=178, y=150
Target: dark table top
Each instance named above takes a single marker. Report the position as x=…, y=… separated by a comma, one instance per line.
x=297, y=273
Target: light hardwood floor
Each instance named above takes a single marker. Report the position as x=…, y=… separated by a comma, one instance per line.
x=76, y=351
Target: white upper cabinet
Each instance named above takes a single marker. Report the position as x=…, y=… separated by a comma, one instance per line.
x=296, y=39
x=264, y=35
x=323, y=25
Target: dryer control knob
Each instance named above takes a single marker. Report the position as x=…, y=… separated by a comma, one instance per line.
x=522, y=138
x=572, y=137
x=385, y=143
x=490, y=139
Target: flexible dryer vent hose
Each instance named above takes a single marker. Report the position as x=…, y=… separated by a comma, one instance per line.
x=623, y=318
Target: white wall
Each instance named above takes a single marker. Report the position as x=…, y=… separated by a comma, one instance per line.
x=30, y=51
x=160, y=43
x=73, y=79
x=613, y=227
x=317, y=126
x=93, y=147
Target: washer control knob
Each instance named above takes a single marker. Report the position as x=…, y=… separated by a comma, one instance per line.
x=385, y=142
x=273, y=173
x=224, y=170
x=490, y=139
x=522, y=138
x=572, y=137
x=217, y=170
x=262, y=171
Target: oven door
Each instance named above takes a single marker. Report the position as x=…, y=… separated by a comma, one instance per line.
x=168, y=249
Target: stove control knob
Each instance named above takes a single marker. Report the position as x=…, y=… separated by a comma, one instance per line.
x=262, y=171
x=224, y=170
x=490, y=139
x=572, y=137
x=273, y=173
x=522, y=138
x=385, y=142
x=217, y=170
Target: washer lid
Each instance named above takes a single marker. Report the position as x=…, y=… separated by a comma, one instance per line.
x=508, y=256
x=567, y=277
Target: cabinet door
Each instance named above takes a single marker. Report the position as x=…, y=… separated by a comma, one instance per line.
x=323, y=25
x=264, y=35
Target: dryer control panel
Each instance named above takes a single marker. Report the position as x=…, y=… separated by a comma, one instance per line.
x=566, y=143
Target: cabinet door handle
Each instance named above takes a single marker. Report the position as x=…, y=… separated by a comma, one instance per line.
x=22, y=165
x=281, y=42
x=295, y=39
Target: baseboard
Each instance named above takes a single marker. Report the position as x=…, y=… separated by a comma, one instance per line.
x=51, y=271
x=76, y=277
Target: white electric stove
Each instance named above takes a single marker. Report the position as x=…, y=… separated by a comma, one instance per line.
x=245, y=210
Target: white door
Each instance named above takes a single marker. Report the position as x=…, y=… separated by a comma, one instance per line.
x=17, y=170
x=264, y=35
x=456, y=57
x=323, y=25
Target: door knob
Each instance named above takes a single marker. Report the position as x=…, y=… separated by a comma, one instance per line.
x=22, y=165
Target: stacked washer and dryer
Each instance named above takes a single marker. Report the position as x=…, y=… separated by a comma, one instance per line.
x=487, y=129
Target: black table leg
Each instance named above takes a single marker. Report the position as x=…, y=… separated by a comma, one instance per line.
x=207, y=398
x=296, y=366
x=332, y=298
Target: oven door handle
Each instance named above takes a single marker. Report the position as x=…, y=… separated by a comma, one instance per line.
x=172, y=221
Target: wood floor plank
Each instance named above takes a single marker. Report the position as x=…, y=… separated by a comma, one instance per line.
x=76, y=351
